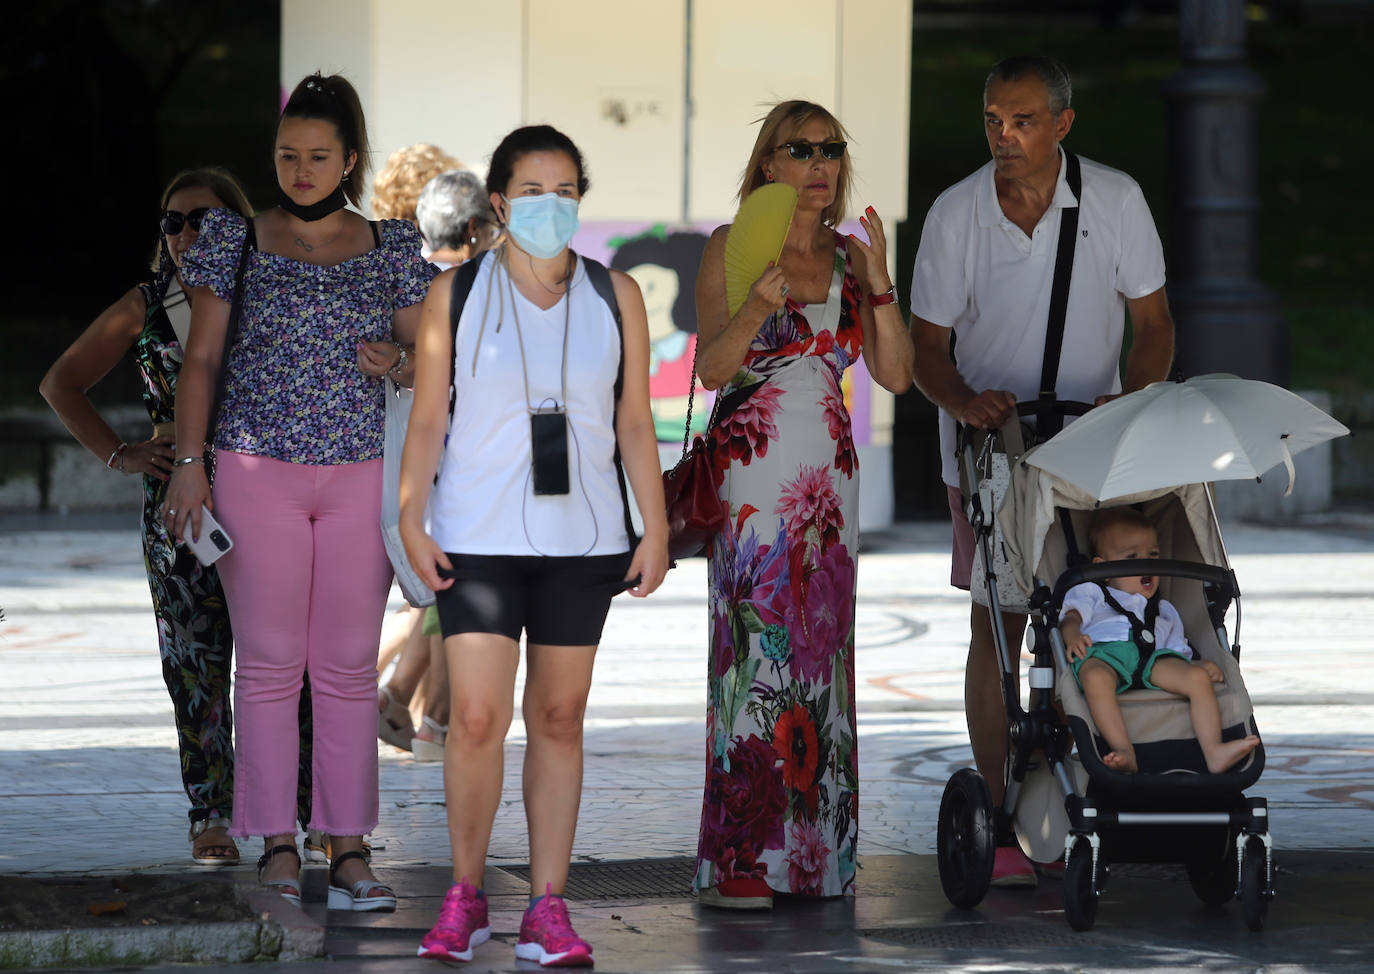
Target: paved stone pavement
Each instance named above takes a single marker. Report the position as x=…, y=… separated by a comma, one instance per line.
x=89, y=774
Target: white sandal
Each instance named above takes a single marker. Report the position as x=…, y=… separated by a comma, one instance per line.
x=430, y=750
x=357, y=899
x=393, y=721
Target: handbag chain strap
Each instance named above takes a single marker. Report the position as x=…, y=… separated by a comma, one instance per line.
x=691, y=398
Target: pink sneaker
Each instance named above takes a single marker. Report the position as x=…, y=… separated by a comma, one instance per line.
x=1010, y=867
x=546, y=935
x=462, y=925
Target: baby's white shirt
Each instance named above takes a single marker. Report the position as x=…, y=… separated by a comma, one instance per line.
x=1103, y=624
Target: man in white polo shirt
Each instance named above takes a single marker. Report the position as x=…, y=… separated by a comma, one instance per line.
x=984, y=270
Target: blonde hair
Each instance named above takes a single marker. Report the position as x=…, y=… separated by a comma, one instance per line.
x=218, y=181
x=781, y=124
x=397, y=187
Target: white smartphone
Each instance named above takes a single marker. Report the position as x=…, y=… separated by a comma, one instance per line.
x=214, y=541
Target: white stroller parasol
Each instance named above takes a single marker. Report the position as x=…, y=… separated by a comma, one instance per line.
x=1212, y=427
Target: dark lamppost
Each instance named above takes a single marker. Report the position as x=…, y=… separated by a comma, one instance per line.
x=1227, y=319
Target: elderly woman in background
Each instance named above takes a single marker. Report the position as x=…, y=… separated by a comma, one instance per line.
x=780, y=810
x=456, y=224
x=397, y=186
x=456, y=220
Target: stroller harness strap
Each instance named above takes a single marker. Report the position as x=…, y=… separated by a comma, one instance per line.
x=1142, y=631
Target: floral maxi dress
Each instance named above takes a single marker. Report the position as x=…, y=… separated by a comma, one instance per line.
x=781, y=796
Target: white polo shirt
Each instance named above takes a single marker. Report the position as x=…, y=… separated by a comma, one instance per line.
x=978, y=273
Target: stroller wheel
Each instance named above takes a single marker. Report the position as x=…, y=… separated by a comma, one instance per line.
x=1081, y=887
x=965, y=839
x=1254, y=885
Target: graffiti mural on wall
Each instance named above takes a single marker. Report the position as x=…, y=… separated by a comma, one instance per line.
x=663, y=260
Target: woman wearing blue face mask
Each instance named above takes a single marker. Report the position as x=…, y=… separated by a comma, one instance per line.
x=529, y=522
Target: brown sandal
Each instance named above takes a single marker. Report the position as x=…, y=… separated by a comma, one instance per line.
x=211, y=844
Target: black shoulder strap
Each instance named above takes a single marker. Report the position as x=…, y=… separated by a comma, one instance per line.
x=1076, y=557
x=605, y=287
x=376, y=235
x=231, y=331
x=1051, y=423
x=149, y=290
x=462, y=287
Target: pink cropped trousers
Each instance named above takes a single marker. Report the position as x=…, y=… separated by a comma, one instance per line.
x=307, y=583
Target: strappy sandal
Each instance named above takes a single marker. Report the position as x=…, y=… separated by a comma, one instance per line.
x=290, y=889
x=209, y=849
x=393, y=721
x=357, y=899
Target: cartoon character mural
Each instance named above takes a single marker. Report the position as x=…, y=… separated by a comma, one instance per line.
x=664, y=260
x=665, y=266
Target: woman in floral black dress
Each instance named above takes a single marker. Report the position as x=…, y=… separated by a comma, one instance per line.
x=150, y=321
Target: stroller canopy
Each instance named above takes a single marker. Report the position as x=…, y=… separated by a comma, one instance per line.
x=1036, y=547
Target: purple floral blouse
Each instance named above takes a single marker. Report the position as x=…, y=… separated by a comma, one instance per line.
x=292, y=389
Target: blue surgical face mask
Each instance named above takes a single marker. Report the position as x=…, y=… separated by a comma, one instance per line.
x=542, y=225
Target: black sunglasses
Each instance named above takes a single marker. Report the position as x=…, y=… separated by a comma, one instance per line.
x=801, y=150
x=173, y=220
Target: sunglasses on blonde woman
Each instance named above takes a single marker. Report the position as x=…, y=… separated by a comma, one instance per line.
x=801, y=149
x=173, y=220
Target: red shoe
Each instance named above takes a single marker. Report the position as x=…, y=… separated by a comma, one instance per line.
x=738, y=894
x=1011, y=868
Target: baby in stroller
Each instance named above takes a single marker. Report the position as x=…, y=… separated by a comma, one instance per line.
x=1121, y=636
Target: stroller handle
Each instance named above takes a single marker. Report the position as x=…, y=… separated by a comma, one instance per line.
x=1223, y=578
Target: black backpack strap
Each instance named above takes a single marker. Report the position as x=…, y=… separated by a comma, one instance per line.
x=1051, y=423
x=458, y=296
x=600, y=279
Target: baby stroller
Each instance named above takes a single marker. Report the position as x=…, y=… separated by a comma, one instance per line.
x=1032, y=547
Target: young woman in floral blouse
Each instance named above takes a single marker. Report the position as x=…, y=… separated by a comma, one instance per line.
x=193, y=632
x=780, y=810
x=329, y=304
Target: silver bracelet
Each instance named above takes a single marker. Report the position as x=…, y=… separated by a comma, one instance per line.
x=183, y=461
x=401, y=362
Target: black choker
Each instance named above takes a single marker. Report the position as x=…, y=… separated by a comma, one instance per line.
x=315, y=211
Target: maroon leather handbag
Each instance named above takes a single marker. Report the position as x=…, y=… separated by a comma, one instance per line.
x=696, y=514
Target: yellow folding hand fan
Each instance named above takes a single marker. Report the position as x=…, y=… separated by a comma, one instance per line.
x=756, y=238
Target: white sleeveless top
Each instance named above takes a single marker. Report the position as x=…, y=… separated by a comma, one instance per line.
x=484, y=502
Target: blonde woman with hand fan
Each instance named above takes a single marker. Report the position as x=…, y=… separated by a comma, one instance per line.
x=781, y=797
